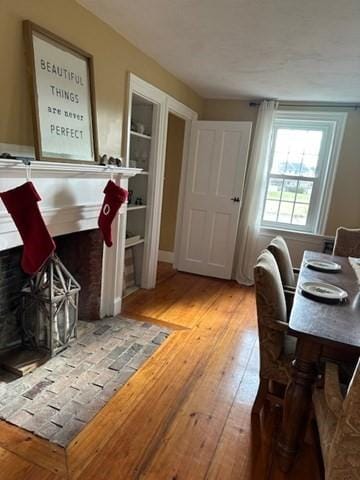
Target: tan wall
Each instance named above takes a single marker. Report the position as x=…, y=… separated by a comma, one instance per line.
x=345, y=203
x=114, y=57
x=174, y=149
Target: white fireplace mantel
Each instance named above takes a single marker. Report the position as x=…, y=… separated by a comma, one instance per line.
x=72, y=195
x=17, y=169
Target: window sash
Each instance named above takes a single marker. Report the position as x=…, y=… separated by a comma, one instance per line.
x=294, y=202
x=314, y=212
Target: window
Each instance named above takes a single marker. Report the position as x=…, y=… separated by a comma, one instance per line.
x=302, y=164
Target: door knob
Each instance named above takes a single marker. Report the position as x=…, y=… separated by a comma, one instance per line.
x=235, y=199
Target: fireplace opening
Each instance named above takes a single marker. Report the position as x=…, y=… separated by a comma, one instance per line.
x=12, y=280
x=82, y=255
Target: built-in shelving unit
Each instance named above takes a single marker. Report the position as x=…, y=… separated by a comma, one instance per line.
x=140, y=153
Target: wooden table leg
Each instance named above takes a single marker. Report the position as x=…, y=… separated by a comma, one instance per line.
x=297, y=401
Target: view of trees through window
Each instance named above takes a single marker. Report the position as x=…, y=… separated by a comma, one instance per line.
x=292, y=175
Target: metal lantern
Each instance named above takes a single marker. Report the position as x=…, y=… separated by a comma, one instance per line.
x=50, y=308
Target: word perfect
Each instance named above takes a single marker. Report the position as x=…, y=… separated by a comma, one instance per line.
x=66, y=132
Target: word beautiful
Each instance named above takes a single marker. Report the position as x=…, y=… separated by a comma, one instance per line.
x=61, y=72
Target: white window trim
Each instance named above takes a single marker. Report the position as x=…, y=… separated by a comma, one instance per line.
x=338, y=119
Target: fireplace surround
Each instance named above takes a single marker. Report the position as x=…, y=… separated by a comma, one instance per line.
x=72, y=196
x=82, y=255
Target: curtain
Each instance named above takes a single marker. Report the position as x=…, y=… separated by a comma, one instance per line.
x=250, y=218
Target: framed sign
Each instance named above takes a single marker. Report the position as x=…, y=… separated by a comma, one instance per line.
x=63, y=97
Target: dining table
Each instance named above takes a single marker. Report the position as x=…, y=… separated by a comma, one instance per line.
x=318, y=327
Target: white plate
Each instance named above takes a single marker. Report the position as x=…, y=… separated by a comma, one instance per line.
x=325, y=291
x=323, y=265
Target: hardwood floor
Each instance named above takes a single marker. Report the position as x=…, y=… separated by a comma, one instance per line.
x=186, y=413
x=15, y=467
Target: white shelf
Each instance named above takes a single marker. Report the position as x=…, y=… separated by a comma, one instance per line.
x=141, y=172
x=141, y=135
x=136, y=207
x=132, y=244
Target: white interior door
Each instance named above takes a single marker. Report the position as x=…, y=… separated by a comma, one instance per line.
x=212, y=196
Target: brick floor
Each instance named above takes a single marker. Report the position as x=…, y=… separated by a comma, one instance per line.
x=60, y=397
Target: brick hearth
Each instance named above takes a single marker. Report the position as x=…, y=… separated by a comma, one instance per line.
x=60, y=397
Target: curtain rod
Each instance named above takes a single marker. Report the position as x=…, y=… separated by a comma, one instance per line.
x=355, y=106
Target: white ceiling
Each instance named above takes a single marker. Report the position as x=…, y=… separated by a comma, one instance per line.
x=305, y=50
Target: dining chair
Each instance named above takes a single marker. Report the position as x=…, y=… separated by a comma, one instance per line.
x=277, y=349
x=338, y=420
x=347, y=242
x=288, y=273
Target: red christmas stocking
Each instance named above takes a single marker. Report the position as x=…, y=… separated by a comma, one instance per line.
x=114, y=197
x=21, y=203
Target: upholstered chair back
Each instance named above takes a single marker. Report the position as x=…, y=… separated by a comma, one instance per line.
x=272, y=316
x=279, y=249
x=347, y=242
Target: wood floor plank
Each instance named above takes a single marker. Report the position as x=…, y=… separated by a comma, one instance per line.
x=13, y=467
x=32, y=448
x=152, y=303
x=190, y=308
x=240, y=446
x=164, y=272
x=194, y=437
x=211, y=399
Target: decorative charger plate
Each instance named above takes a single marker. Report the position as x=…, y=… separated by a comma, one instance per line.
x=323, y=265
x=323, y=291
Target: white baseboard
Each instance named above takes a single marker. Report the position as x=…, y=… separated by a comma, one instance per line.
x=167, y=257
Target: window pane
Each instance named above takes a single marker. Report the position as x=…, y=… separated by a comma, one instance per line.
x=289, y=192
x=309, y=164
x=313, y=143
x=281, y=151
x=304, y=192
x=285, y=212
x=279, y=162
x=274, y=189
x=300, y=214
x=271, y=210
x=296, y=151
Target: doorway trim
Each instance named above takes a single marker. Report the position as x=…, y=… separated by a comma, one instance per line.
x=180, y=110
x=166, y=104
